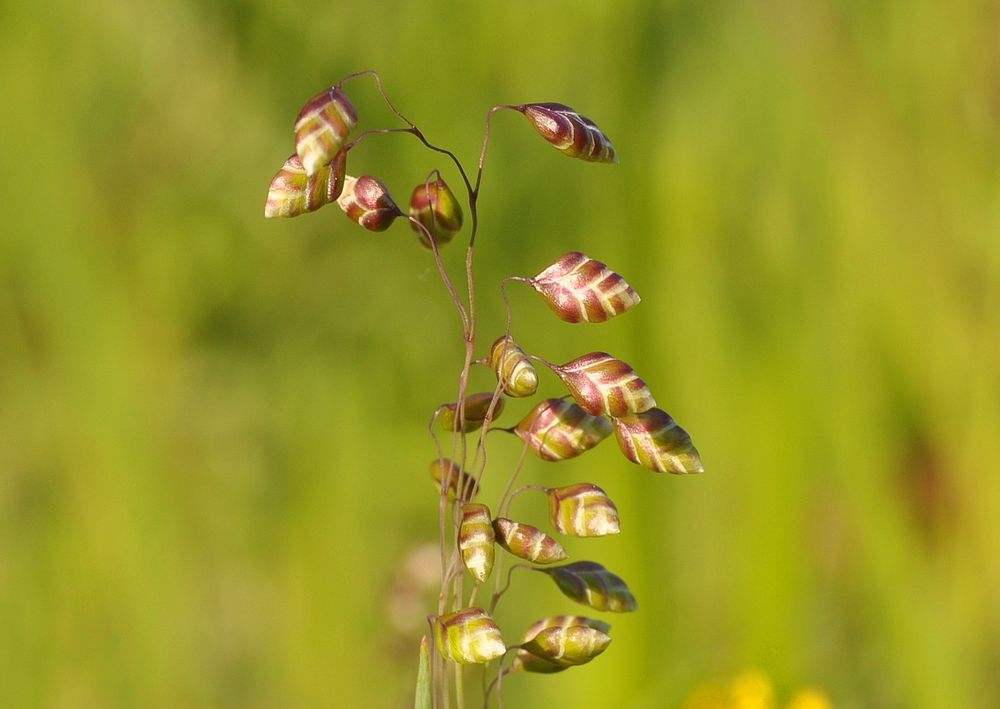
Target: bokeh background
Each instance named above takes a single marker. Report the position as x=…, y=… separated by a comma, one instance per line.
x=213, y=455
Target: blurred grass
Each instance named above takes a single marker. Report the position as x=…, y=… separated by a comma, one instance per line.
x=212, y=461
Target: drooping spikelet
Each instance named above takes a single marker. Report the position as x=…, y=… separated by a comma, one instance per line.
x=603, y=385
x=653, y=440
x=322, y=127
x=571, y=133
x=527, y=542
x=476, y=539
x=293, y=192
x=581, y=289
x=591, y=584
x=514, y=370
x=468, y=636
x=557, y=430
x=434, y=205
x=476, y=408
x=582, y=510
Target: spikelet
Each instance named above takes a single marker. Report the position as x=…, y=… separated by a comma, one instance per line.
x=567, y=647
x=468, y=636
x=366, y=200
x=582, y=510
x=571, y=133
x=603, y=385
x=557, y=430
x=547, y=662
x=591, y=584
x=476, y=408
x=459, y=481
x=433, y=204
x=322, y=128
x=654, y=440
x=527, y=542
x=476, y=539
x=514, y=370
x=581, y=289
x=293, y=192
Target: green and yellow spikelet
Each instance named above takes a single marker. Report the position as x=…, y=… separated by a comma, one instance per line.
x=514, y=370
x=468, y=636
x=476, y=539
x=582, y=510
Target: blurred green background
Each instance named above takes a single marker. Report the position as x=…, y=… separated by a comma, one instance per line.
x=213, y=483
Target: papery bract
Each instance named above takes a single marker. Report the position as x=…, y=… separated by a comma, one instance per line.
x=557, y=430
x=571, y=133
x=476, y=539
x=591, y=584
x=581, y=289
x=322, y=127
x=527, y=542
x=654, y=440
x=582, y=510
x=468, y=636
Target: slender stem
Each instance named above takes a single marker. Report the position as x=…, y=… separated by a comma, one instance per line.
x=499, y=593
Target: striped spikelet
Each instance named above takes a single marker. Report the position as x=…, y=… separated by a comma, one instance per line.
x=514, y=370
x=603, y=385
x=366, y=200
x=653, y=440
x=571, y=133
x=581, y=289
x=591, y=584
x=557, y=430
x=563, y=643
x=527, y=542
x=468, y=636
x=476, y=539
x=293, y=192
x=322, y=128
x=582, y=510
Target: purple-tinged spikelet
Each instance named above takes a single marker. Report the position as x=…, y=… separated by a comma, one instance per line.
x=366, y=200
x=581, y=289
x=434, y=205
x=322, y=127
x=571, y=133
x=468, y=636
x=582, y=510
x=603, y=385
x=527, y=542
x=591, y=584
x=557, y=430
x=476, y=539
x=653, y=440
x=293, y=192
x=514, y=370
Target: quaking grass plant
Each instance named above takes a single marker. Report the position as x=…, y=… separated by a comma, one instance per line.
x=605, y=396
